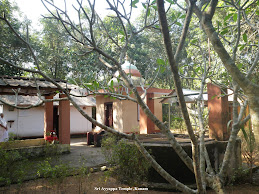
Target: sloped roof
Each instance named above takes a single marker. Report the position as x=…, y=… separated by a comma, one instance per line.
x=21, y=100
x=28, y=86
x=76, y=93
x=31, y=100
x=189, y=96
x=27, y=91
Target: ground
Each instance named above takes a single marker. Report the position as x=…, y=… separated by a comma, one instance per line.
x=96, y=183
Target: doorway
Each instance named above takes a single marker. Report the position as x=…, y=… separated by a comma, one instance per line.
x=56, y=120
x=108, y=111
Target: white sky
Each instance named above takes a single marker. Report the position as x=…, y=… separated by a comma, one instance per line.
x=33, y=9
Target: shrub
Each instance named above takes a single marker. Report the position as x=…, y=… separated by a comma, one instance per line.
x=54, y=172
x=13, y=166
x=129, y=165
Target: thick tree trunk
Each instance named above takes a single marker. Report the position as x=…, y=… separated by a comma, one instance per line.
x=249, y=88
x=254, y=113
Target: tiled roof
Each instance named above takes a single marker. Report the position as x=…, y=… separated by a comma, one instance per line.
x=27, y=91
x=28, y=86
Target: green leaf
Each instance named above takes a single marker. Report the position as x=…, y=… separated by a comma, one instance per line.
x=224, y=32
x=144, y=5
x=213, y=97
x=134, y=2
x=111, y=85
x=177, y=119
x=122, y=32
x=257, y=12
x=155, y=7
x=153, y=2
x=162, y=69
x=96, y=84
x=245, y=37
x=148, y=12
x=183, y=16
x=240, y=65
x=194, y=41
x=178, y=23
x=170, y=1
x=160, y=62
x=228, y=16
x=197, y=69
x=242, y=47
x=235, y=17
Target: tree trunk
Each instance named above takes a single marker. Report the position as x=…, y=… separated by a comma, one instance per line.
x=178, y=87
x=254, y=113
x=249, y=88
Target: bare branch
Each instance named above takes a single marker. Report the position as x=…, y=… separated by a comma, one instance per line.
x=185, y=30
x=255, y=63
x=238, y=35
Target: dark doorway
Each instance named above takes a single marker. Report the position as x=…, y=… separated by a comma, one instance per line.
x=56, y=120
x=108, y=114
x=93, y=116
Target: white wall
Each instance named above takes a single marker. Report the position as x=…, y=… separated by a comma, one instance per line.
x=30, y=122
x=79, y=124
x=27, y=123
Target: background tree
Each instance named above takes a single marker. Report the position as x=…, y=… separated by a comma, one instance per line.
x=10, y=46
x=54, y=51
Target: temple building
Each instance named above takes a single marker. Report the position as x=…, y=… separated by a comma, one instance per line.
x=126, y=115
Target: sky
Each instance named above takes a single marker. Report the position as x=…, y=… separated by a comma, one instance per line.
x=33, y=9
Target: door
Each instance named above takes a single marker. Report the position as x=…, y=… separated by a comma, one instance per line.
x=56, y=120
x=108, y=114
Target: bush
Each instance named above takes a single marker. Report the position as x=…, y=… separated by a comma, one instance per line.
x=13, y=166
x=54, y=172
x=129, y=165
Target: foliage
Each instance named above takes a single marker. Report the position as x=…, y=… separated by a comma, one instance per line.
x=13, y=166
x=10, y=46
x=240, y=175
x=129, y=164
x=54, y=52
x=54, y=172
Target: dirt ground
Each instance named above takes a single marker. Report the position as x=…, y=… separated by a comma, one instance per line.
x=95, y=183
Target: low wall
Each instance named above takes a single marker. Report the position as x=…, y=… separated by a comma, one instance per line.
x=170, y=161
x=22, y=143
x=35, y=147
